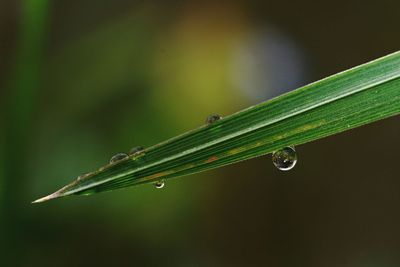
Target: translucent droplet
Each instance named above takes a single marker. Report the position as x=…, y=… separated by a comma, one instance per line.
x=212, y=118
x=135, y=150
x=159, y=184
x=285, y=158
x=118, y=157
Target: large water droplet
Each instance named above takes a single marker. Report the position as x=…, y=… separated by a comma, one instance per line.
x=159, y=184
x=135, y=150
x=285, y=158
x=118, y=157
x=212, y=118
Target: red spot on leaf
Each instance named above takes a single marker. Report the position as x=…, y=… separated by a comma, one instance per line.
x=213, y=158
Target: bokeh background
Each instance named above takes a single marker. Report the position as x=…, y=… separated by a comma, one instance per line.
x=82, y=80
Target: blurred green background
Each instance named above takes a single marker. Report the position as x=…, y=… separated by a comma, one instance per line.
x=82, y=80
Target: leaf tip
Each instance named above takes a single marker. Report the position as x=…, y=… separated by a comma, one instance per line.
x=47, y=198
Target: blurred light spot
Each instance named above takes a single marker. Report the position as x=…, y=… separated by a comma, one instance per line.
x=266, y=64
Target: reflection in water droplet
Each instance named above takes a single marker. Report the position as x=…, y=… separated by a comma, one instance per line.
x=159, y=184
x=285, y=158
x=135, y=150
x=212, y=118
x=118, y=157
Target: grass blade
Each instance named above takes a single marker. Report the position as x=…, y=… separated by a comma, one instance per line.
x=346, y=100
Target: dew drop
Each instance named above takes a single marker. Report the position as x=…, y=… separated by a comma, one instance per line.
x=118, y=157
x=212, y=118
x=135, y=150
x=159, y=184
x=285, y=158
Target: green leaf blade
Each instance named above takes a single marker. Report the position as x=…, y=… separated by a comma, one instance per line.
x=340, y=102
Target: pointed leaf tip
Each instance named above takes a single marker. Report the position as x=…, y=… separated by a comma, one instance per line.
x=47, y=198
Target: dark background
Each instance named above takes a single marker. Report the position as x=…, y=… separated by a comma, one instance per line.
x=82, y=80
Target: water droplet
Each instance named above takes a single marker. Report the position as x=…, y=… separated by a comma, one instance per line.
x=159, y=184
x=285, y=158
x=118, y=157
x=135, y=150
x=212, y=118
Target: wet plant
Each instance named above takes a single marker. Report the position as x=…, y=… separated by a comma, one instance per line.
x=343, y=101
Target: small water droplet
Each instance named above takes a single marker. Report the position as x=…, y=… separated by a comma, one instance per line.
x=135, y=150
x=212, y=118
x=118, y=157
x=159, y=184
x=285, y=158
